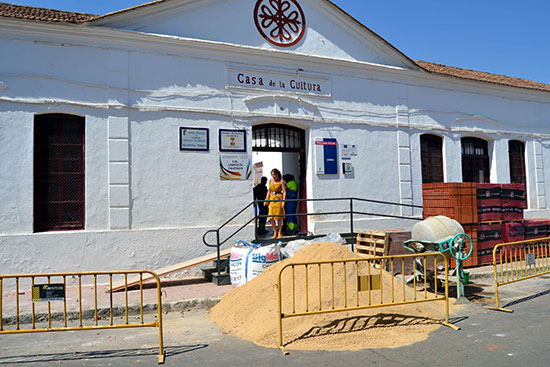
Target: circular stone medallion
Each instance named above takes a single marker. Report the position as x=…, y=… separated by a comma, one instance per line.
x=281, y=22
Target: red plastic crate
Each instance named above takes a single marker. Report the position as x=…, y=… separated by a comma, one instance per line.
x=535, y=229
x=513, y=195
x=488, y=236
x=512, y=232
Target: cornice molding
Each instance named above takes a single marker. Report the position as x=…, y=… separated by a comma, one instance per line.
x=102, y=37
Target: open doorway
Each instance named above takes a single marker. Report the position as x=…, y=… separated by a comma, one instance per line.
x=282, y=147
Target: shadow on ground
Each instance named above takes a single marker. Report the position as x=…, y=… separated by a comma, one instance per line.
x=362, y=323
x=528, y=298
x=57, y=357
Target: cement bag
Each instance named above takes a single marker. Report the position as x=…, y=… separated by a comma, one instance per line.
x=248, y=260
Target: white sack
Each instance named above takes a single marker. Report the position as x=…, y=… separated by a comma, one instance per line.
x=249, y=260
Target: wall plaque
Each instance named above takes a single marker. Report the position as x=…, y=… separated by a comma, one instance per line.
x=235, y=167
x=232, y=140
x=194, y=138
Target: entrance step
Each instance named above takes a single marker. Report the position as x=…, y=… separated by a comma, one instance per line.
x=224, y=264
x=208, y=273
x=221, y=279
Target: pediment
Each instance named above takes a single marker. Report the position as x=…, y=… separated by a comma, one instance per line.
x=328, y=32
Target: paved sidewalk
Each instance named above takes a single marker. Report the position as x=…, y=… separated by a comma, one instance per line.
x=481, y=272
x=488, y=338
x=177, y=295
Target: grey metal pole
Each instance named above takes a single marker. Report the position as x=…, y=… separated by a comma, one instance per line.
x=351, y=221
x=256, y=219
x=218, y=250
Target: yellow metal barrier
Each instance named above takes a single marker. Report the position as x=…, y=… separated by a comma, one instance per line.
x=52, y=287
x=517, y=261
x=362, y=285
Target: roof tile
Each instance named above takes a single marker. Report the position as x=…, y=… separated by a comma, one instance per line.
x=482, y=76
x=47, y=15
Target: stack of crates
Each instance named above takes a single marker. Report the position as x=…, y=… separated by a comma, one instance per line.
x=458, y=201
x=490, y=214
x=513, y=201
x=455, y=200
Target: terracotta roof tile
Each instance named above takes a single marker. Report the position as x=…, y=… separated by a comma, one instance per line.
x=47, y=15
x=482, y=76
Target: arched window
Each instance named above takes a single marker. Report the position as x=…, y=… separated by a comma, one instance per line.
x=277, y=137
x=58, y=172
x=516, y=151
x=475, y=160
x=431, y=154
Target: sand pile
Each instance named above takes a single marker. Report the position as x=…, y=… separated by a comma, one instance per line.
x=250, y=311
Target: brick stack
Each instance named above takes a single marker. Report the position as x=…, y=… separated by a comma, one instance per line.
x=490, y=214
x=512, y=201
x=458, y=201
x=497, y=205
x=536, y=228
x=513, y=232
x=484, y=211
x=489, y=205
x=488, y=235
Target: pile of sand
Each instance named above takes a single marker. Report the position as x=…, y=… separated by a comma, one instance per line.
x=250, y=311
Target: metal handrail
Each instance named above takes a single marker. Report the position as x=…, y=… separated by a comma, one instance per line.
x=223, y=225
x=350, y=212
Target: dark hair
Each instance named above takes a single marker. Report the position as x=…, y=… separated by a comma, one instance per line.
x=263, y=180
x=277, y=173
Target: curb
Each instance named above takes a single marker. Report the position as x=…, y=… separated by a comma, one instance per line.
x=482, y=275
x=104, y=312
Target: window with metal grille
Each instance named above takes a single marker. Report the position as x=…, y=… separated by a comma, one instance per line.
x=276, y=137
x=58, y=172
x=516, y=151
x=475, y=160
x=431, y=154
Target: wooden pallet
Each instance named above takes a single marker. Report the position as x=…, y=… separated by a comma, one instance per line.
x=372, y=243
x=172, y=269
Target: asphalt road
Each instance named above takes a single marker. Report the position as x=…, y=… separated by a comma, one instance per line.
x=487, y=338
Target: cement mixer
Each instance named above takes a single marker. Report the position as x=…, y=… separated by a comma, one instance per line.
x=444, y=235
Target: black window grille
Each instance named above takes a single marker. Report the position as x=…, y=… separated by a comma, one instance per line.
x=58, y=172
x=516, y=151
x=431, y=147
x=276, y=138
x=475, y=160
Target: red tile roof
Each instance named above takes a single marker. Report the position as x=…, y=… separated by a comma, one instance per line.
x=47, y=15
x=52, y=15
x=482, y=76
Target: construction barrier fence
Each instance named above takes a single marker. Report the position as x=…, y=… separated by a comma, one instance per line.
x=51, y=302
x=322, y=287
x=516, y=261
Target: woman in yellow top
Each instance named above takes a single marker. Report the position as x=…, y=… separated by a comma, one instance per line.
x=276, y=191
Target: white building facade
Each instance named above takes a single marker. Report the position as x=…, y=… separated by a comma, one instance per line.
x=219, y=70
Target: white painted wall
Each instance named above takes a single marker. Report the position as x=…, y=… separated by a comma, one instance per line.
x=329, y=32
x=148, y=203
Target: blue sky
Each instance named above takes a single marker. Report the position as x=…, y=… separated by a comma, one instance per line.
x=503, y=37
